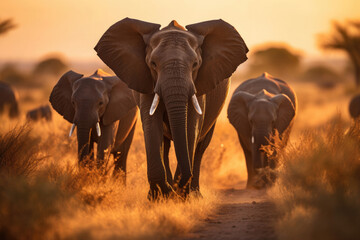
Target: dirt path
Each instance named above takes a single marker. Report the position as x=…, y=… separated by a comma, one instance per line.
x=242, y=214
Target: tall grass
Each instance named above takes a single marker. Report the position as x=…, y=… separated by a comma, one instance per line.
x=318, y=188
x=43, y=194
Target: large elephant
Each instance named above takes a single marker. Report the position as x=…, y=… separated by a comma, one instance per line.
x=257, y=108
x=354, y=107
x=42, y=112
x=180, y=78
x=8, y=99
x=99, y=106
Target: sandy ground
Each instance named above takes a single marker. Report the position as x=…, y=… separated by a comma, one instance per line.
x=242, y=214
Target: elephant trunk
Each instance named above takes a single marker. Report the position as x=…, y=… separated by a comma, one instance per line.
x=85, y=120
x=260, y=138
x=176, y=98
x=83, y=136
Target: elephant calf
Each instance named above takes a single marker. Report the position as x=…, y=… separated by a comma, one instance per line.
x=257, y=108
x=104, y=111
x=354, y=107
x=42, y=112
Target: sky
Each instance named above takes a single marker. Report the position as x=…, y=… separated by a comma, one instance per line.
x=73, y=27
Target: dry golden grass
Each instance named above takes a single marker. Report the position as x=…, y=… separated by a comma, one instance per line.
x=318, y=189
x=43, y=195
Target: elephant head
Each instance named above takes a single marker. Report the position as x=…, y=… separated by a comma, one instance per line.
x=88, y=101
x=262, y=114
x=174, y=63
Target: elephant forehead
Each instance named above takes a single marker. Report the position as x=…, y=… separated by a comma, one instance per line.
x=89, y=84
x=261, y=107
x=173, y=37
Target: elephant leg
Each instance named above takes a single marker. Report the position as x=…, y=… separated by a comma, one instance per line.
x=249, y=168
x=166, y=161
x=105, y=142
x=249, y=163
x=199, y=152
x=91, y=151
x=120, y=156
x=154, y=137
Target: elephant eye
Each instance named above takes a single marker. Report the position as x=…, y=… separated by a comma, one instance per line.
x=101, y=103
x=195, y=65
x=153, y=65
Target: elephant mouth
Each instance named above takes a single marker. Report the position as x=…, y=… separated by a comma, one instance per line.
x=156, y=101
x=97, y=126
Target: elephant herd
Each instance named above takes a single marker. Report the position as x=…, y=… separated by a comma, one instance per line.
x=178, y=79
x=9, y=104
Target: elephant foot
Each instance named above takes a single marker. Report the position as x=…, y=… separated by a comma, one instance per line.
x=264, y=178
x=195, y=193
x=119, y=176
x=162, y=192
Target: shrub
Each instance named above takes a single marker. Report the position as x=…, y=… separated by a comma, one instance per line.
x=318, y=187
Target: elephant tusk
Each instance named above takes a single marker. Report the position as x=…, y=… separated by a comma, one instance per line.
x=252, y=139
x=98, y=130
x=196, y=104
x=72, y=129
x=154, y=104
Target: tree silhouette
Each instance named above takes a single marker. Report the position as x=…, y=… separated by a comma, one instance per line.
x=345, y=37
x=6, y=25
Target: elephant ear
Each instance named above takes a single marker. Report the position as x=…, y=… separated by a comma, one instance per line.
x=60, y=97
x=121, y=100
x=238, y=111
x=223, y=50
x=286, y=112
x=123, y=49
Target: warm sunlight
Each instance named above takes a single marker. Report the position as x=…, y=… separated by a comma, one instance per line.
x=116, y=124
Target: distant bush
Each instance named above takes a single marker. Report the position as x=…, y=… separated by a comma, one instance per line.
x=53, y=65
x=318, y=187
x=322, y=76
x=279, y=61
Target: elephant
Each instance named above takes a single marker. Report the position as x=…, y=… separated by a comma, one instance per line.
x=42, y=112
x=180, y=78
x=354, y=107
x=103, y=110
x=9, y=99
x=257, y=108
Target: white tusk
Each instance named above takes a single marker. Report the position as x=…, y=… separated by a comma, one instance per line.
x=154, y=104
x=98, y=130
x=252, y=139
x=196, y=104
x=72, y=129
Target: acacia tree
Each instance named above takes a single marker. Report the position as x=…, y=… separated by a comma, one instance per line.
x=346, y=37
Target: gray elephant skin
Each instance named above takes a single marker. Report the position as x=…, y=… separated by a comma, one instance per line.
x=8, y=100
x=103, y=110
x=257, y=108
x=42, y=112
x=354, y=107
x=180, y=78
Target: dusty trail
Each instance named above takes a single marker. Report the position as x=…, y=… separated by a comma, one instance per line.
x=242, y=214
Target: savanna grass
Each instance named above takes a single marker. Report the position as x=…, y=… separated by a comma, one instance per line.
x=44, y=195
x=318, y=186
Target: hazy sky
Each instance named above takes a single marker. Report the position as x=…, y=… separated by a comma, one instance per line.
x=73, y=27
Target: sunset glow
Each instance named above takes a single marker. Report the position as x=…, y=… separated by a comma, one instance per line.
x=73, y=27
